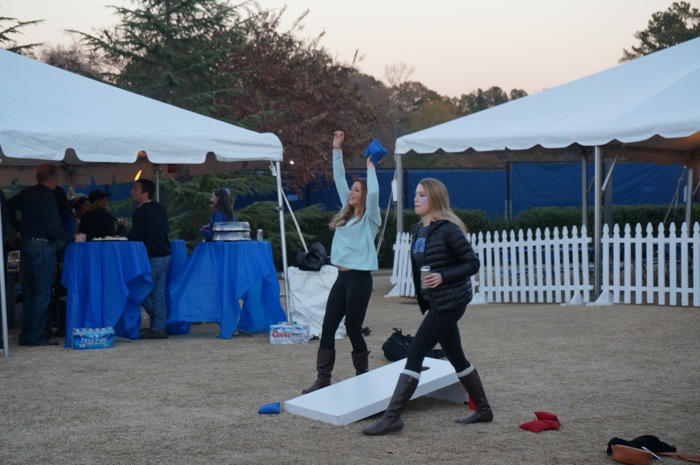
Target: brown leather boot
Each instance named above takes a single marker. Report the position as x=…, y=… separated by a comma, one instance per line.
x=325, y=360
x=483, y=413
x=361, y=362
x=391, y=421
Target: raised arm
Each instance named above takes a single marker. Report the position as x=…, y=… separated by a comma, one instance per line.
x=372, y=202
x=341, y=184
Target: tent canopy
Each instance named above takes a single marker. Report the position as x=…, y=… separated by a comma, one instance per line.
x=52, y=115
x=651, y=103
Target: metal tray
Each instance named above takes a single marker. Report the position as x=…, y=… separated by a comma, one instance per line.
x=233, y=226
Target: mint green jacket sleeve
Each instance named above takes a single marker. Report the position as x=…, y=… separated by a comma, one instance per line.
x=353, y=243
x=372, y=202
x=341, y=185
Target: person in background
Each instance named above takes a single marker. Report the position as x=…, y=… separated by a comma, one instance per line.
x=3, y=218
x=353, y=252
x=150, y=226
x=57, y=306
x=39, y=228
x=3, y=215
x=98, y=222
x=221, y=212
x=439, y=241
x=65, y=211
x=80, y=206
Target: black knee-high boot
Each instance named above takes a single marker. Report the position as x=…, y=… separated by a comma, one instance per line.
x=361, y=362
x=483, y=413
x=325, y=360
x=391, y=420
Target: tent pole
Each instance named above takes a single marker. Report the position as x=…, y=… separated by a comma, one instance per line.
x=584, y=190
x=689, y=196
x=508, y=207
x=399, y=194
x=597, y=220
x=283, y=240
x=157, y=173
x=3, y=293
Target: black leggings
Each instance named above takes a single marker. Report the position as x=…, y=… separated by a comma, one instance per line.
x=436, y=328
x=348, y=298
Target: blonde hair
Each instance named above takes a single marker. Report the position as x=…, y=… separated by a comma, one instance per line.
x=349, y=212
x=440, y=201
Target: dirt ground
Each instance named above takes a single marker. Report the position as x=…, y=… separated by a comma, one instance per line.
x=618, y=371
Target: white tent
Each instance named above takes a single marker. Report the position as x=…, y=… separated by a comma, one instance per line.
x=51, y=115
x=651, y=105
x=655, y=95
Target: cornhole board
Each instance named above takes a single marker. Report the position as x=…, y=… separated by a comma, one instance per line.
x=362, y=396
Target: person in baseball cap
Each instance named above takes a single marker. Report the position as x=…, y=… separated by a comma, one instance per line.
x=98, y=222
x=96, y=195
x=80, y=205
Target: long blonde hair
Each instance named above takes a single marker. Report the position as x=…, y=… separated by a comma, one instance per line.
x=440, y=201
x=349, y=212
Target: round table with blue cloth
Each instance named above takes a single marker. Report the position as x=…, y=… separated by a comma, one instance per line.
x=105, y=282
x=215, y=277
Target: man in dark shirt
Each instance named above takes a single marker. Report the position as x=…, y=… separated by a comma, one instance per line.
x=39, y=227
x=150, y=225
x=3, y=211
x=3, y=215
x=98, y=222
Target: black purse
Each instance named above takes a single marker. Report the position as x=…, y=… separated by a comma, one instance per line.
x=314, y=259
x=396, y=347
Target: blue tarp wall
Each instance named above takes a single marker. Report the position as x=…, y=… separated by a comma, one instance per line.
x=531, y=185
x=559, y=184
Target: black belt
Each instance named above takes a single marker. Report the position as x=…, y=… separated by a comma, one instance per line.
x=40, y=239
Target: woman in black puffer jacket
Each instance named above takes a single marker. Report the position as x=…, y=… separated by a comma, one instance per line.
x=438, y=241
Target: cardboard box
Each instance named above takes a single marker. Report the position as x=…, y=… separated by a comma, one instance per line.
x=289, y=334
x=92, y=338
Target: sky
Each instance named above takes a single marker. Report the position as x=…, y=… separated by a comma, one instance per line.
x=453, y=46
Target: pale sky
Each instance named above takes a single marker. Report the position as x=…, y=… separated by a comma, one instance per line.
x=455, y=46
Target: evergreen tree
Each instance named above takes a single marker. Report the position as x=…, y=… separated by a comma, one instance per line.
x=172, y=51
x=188, y=202
x=676, y=25
x=482, y=99
x=11, y=27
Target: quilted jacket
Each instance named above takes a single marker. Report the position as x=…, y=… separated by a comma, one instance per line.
x=448, y=252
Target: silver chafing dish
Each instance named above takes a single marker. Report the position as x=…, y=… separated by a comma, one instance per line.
x=232, y=231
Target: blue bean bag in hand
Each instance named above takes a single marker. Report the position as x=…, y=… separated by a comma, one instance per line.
x=375, y=151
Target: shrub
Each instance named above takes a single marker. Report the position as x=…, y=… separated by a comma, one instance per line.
x=313, y=222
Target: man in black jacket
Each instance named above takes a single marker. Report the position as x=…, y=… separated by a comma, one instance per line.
x=39, y=227
x=150, y=225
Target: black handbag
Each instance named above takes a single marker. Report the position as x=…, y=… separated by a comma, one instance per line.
x=396, y=347
x=314, y=259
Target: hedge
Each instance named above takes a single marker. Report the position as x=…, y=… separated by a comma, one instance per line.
x=313, y=223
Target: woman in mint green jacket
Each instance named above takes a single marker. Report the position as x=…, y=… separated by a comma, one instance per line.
x=353, y=252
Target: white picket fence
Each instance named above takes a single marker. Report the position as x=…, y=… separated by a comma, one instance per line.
x=557, y=267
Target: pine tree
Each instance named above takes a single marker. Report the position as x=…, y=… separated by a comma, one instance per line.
x=676, y=25
x=172, y=51
x=14, y=28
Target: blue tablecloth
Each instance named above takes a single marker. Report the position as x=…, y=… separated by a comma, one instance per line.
x=177, y=264
x=106, y=282
x=178, y=259
x=215, y=277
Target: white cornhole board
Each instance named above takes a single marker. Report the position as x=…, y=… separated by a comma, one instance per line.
x=365, y=395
